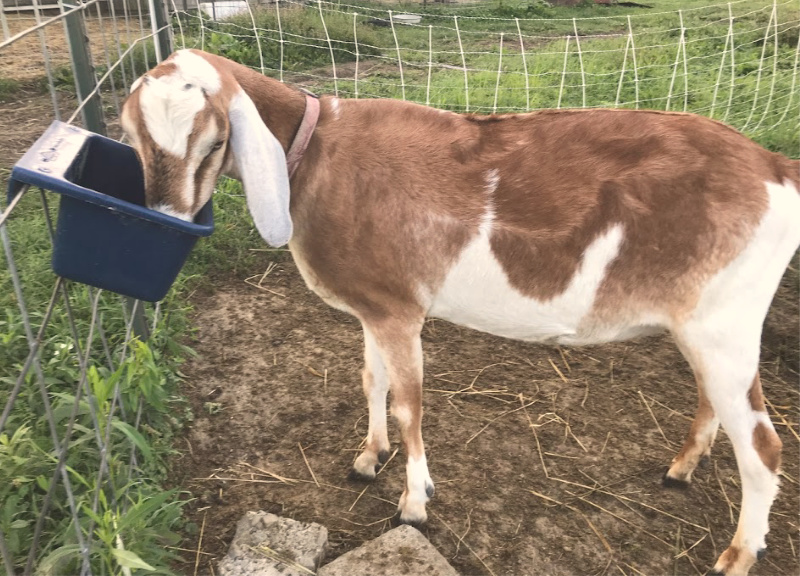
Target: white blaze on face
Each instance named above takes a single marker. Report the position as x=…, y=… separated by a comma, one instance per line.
x=170, y=103
x=169, y=109
x=201, y=147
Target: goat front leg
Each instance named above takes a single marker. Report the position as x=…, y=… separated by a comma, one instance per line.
x=376, y=387
x=400, y=347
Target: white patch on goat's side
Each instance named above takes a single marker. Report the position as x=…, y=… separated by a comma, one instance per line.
x=335, y=108
x=169, y=110
x=196, y=70
x=170, y=211
x=476, y=293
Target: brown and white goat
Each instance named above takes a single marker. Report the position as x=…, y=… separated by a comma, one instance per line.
x=571, y=226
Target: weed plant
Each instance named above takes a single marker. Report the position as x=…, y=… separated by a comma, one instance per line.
x=128, y=505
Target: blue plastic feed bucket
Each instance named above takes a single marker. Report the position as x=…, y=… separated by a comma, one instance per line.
x=105, y=237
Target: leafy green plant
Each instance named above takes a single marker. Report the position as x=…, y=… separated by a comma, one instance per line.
x=523, y=9
x=305, y=42
x=8, y=88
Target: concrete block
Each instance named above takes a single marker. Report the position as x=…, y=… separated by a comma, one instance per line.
x=268, y=545
x=403, y=551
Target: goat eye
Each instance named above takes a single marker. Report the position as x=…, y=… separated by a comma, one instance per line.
x=217, y=146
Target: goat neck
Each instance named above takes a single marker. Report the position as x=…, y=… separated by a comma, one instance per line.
x=280, y=107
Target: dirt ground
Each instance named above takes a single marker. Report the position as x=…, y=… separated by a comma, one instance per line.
x=568, y=485
x=24, y=61
x=27, y=111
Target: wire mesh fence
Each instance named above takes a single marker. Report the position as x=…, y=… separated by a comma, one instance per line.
x=86, y=380
x=655, y=60
x=78, y=381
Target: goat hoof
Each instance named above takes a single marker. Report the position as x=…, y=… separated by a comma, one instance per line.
x=669, y=482
x=705, y=462
x=356, y=476
x=429, y=490
x=398, y=520
x=715, y=573
x=761, y=553
x=383, y=456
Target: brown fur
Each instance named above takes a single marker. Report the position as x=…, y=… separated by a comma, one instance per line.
x=693, y=449
x=564, y=178
x=548, y=209
x=768, y=445
x=280, y=107
x=755, y=395
x=389, y=193
x=729, y=557
x=765, y=439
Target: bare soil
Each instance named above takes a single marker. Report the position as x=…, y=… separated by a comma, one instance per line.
x=28, y=109
x=25, y=60
x=571, y=484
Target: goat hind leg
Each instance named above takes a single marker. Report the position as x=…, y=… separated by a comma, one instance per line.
x=758, y=453
x=698, y=442
x=732, y=385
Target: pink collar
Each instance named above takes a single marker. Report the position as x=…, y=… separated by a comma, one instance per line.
x=303, y=136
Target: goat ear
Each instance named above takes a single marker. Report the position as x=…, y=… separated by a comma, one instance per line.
x=261, y=164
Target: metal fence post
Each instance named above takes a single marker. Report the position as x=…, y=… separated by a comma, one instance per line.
x=138, y=321
x=163, y=40
x=83, y=70
x=4, y=22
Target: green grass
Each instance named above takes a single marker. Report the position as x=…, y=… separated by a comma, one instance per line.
x=759, y=104
x=134, y=506
x=8, y=88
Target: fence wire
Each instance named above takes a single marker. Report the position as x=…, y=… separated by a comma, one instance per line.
x=65, y=360
x=643, y=60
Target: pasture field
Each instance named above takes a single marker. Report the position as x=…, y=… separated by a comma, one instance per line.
x=245, y=365
x=598, y=70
